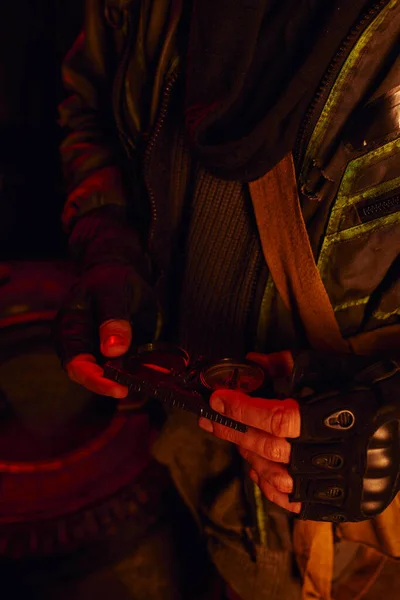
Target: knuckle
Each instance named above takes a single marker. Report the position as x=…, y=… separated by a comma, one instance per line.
x=262, y=447
x=281, y=483
x=278, y=422
x=275, y=480
x=285, y=420
x=276, y=453
x=225, y=433
x=271, y=450
x=234, y=405
x=238, y=411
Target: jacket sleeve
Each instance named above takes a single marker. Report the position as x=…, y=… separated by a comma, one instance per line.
x=383, y=342
x=90, y=152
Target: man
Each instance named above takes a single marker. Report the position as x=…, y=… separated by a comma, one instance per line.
x=182, y=117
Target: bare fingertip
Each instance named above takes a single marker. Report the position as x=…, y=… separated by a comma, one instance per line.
x=206, y=425
x=295, y=507
x=217, y=404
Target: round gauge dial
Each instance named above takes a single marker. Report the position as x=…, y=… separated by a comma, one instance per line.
x=235, y=375
x=162, y=357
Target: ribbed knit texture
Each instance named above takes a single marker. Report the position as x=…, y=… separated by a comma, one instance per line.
x=223, y=259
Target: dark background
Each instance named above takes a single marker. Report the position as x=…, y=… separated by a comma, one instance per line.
x=34, y=37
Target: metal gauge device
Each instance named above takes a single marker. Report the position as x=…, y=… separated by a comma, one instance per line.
x=245, y=375
x=165, y=372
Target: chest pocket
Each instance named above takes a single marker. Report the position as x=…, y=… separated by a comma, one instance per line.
x=359, y=257
x=355, y=146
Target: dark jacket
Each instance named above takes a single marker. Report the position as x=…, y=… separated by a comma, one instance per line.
x=127, y=146
x=347, y=154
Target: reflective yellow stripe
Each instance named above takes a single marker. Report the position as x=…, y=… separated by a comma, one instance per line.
x=345, y=198
x=261, y=516
x=360, y=230
x=379, y=314
x=351, y=234
x=351, y=303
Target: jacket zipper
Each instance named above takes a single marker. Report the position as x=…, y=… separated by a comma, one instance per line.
x=164, y=106
x=127, y=142
x=328, y=81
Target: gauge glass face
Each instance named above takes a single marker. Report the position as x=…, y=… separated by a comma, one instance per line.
x=233, y=375
x=163, y=358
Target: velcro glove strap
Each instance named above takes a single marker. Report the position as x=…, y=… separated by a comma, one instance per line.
x=345, y=464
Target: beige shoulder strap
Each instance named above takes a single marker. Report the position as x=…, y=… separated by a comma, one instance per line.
x=289, y=257
x=288, y=253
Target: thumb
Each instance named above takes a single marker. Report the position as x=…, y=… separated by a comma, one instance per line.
x=115, y=337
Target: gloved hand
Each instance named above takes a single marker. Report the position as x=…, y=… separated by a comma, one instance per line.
x=346, y=462
x=331, y=452
x=110, y=303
